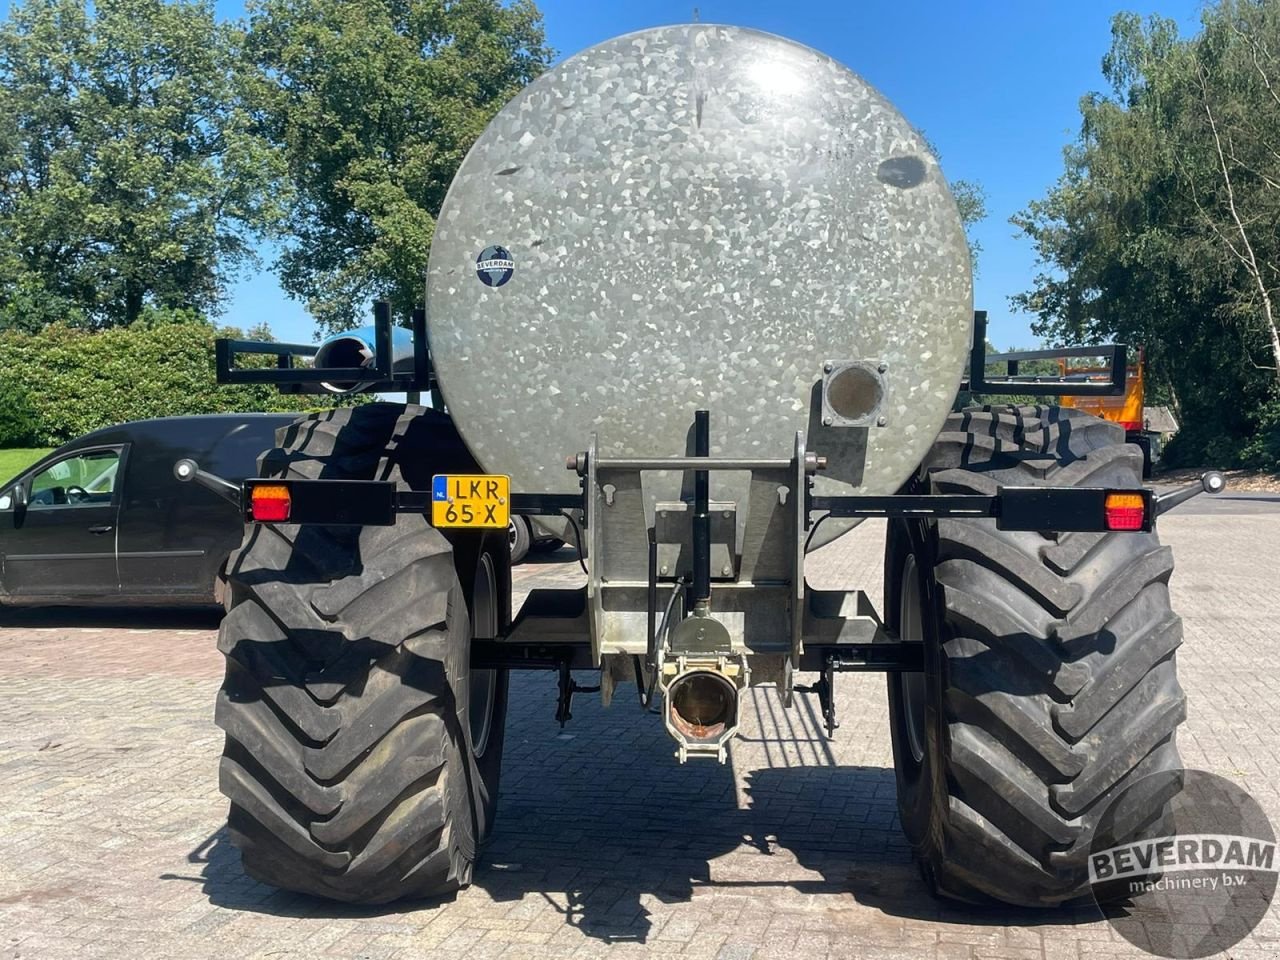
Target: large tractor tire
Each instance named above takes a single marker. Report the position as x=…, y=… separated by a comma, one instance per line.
x=362, y=752
x=1050, y=683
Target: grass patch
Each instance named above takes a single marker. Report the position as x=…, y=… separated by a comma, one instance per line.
x=14, y=461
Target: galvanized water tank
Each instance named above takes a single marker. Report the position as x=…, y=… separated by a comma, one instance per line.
x=697, y=216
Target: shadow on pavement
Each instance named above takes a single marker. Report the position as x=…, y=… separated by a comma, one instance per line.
x=136, y=618
x=226, y=885
x=600, y=821
x=542, y=558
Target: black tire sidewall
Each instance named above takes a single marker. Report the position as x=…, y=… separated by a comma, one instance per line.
x=922, y=795
x=523, y=539
x=489, y=765
x=484, y=770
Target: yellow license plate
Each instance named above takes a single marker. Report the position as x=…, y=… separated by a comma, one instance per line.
x=470, y=500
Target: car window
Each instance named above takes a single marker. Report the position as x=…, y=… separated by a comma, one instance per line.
x=86, y=479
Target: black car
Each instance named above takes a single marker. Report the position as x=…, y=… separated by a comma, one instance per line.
x=103, y=519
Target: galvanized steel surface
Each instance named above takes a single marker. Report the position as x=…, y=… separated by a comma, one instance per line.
x=696, y=216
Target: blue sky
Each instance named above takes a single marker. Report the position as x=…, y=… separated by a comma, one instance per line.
x=994, y=85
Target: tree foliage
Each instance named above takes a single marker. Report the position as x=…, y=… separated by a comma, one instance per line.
x=971, y=199
x=65, y=381
x=129, y=176
x=1163, y=229
x=19, y=422
x=373, y=106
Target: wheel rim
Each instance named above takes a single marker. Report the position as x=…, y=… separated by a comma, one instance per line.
x=511, y=534
x=912, y=685
x=483, y=684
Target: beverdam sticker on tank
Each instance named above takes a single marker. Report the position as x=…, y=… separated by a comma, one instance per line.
x=494, y=266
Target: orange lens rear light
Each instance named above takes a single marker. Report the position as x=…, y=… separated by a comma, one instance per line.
x=1125, y=511
x=270, y=503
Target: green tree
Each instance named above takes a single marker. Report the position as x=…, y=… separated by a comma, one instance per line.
x=373, y=106
x=1162, y=230
x=130, y=177
x=972, y=201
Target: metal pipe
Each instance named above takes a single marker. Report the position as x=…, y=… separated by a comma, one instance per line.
x=1211, y=482
x=186, y=470
x=651, y=646
x=906, y=505
x=701, y=512
x=703, y=704
x=691, y=463
x=381, y=348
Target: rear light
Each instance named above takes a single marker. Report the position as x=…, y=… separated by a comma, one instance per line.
x=270, y=503
x=1125, y=511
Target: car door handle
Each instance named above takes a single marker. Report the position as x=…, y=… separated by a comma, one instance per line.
x=102, y=528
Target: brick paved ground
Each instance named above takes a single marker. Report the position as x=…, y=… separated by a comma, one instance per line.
x=111, y=839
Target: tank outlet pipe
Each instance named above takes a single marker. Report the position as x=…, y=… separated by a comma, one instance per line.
x=702, y=703
x=357, y=348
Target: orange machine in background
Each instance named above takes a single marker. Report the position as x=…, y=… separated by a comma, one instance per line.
x=1114, y=391
x=1126, y=410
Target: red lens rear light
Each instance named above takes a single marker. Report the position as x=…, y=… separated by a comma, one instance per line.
x=1125, y=511
x=270, y=503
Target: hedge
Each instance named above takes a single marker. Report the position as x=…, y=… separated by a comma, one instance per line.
x=64, y=381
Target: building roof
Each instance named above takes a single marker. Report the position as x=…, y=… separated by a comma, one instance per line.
x=1160, y=420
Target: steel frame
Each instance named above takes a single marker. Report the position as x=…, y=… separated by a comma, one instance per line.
x=292, y=379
